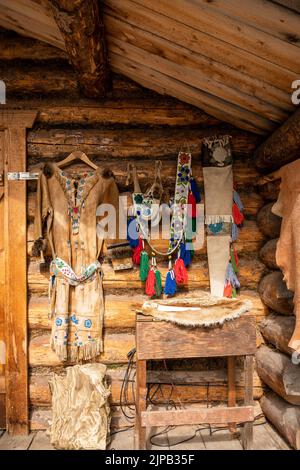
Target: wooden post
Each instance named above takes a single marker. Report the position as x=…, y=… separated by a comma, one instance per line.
x=14, y=124
x=248, y=427
x=141, y=396
x=2, y=287
x=231, y=387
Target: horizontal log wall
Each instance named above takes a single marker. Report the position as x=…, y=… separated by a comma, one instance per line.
x=274, y=365
x=131, y=124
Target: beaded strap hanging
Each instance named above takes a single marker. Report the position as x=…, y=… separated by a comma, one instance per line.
x=146, y=207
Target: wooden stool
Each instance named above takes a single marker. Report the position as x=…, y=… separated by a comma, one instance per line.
x=165, y=340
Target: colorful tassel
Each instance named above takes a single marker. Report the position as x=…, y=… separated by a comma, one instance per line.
x=235, y=256
x=180, y=271
x=237, y=200
x=150, y=283
x=158, y=283
x=234, y=232
x=136, y=255
x=228, y=290
x=185, y=254
x=232, y=277
x=238, y=217
x=144, y=265
x=132, y=232
x=234, y=259
x=195, y=190
x=170, y=284
x=192, y=206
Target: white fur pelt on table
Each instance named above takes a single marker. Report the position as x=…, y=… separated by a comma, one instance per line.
x=203, y=310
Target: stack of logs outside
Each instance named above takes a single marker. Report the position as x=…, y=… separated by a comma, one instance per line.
x=281, y=405
x=136, y=125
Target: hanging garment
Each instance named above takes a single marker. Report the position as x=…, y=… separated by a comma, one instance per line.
x=80, y=408
x=288, y=246
x=203, y=310
x=67, y=205
x=218, y=251
x=218, y=189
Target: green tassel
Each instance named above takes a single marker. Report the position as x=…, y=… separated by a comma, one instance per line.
x=144, y=266
x=234, y=295
x=158, y=283
x=232, y=259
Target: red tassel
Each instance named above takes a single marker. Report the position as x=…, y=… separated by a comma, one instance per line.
x=136, y=255
x=228, y=290
x=192, y=205
x=180, y=271
x=238, y=217
x=150, y=283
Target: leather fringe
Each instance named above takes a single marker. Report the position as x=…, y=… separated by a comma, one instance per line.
x=86, y=352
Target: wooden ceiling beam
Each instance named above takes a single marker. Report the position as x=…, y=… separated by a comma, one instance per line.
x=282, y=147
x=81, y=25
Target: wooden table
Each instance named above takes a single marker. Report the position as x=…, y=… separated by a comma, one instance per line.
x=165, y=340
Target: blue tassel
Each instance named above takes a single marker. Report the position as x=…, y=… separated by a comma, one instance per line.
x=185, y=255
x=232, y=277
x=237, y=200
x=132, y=232
x=170, y=284
x=195, y=190
x=234, y=232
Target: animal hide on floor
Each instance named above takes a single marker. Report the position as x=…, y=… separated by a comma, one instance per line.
x=204, y=310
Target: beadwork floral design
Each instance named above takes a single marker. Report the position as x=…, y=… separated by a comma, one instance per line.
x=76, y=189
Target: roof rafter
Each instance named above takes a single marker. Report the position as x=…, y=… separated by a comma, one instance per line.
x=81, y=25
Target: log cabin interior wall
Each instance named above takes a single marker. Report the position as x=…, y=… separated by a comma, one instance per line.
x=131, y=124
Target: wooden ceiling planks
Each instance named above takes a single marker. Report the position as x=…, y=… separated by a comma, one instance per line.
x=196, y=41
x=28, y=17
x=198, y=71
x=250, y=106
x=235, y=62
x=264, y=15
x=229, y=30
x=212, y=105
x=292, y=4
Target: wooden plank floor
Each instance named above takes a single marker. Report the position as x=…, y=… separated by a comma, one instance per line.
x=265, y=438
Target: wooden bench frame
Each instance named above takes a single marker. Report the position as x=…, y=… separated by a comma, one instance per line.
x=163, y=340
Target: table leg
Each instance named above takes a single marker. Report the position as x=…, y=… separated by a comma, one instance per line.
x=141, y=396
x=231, y=388
x=248, y=427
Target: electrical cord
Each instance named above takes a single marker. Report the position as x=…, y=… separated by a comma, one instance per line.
x=129, y=377
x=124, y=400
